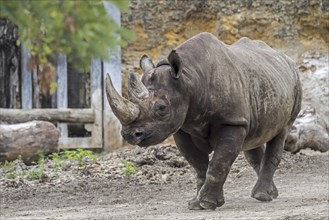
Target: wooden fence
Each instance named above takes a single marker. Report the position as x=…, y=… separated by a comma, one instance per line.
x=99, y=120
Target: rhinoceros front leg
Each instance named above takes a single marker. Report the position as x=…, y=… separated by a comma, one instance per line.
x=226, y=143
x=264, y=189
x=197, y=159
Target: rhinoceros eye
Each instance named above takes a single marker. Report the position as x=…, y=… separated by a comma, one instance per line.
x=160, y=109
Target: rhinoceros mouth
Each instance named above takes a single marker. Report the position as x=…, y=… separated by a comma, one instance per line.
x=145, y=142
x=149, y=140
x=134, y=142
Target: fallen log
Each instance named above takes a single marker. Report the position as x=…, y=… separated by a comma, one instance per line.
x=26, y=140
x=50, y=114
x=308, y=131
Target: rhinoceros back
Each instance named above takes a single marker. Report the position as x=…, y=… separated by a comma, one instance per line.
x=273, y=85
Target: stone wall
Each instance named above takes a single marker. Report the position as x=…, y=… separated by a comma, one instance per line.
x=160, y=25
x=300, y=28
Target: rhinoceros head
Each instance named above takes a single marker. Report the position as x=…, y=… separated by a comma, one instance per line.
x=155, y=108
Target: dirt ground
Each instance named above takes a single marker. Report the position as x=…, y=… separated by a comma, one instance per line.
x=161, y=187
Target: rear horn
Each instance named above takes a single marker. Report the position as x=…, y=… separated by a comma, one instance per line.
x=136, y=89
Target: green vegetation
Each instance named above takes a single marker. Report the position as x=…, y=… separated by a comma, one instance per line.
x=81, y=28
x=129, y=168
x=13, y=175
x=57, y=160
x=7, y=165
x=80, y=156
x=34, y=174
x=42, y=160
x=31, y=175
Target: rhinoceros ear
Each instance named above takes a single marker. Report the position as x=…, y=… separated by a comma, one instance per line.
x=176, y=64
x=146, y=63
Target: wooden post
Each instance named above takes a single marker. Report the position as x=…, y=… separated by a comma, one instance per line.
x=62, y=91
x=13, y=81
x=26, y=79
x=3, y=94
x=2, y=78
x=96, y=103
x=36, y=89
x=112, y=126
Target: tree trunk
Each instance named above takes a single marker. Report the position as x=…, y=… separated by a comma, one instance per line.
x=26, y=140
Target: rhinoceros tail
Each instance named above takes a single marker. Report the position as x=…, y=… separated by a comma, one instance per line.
x=298, y=94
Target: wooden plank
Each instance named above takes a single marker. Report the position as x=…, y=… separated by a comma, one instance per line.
x=62, y=81
x=62, y=89
x=51, y=114
x=3, y=79
x=112, y=126
x=96, y=103
x=26, y=78
x=13, y=81
x=75, y=143
x=36, y=89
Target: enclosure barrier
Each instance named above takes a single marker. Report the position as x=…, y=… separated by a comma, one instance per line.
x=99, y=119
x=91, y=116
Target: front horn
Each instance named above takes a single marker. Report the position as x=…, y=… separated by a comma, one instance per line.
x=123, y=109
x=136, y=89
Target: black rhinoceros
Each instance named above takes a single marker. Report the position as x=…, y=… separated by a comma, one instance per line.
x=215, y=98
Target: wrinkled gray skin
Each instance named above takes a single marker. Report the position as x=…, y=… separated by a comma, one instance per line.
x=222, y=99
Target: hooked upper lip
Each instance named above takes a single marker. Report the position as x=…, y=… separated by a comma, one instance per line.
x=134, y=142
x=147, y=141
x=144, y=142
x=141, y=141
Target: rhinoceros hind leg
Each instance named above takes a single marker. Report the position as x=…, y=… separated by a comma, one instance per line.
x=274, y=191
x=265, y=189
x=254, y=158
x=265, y=193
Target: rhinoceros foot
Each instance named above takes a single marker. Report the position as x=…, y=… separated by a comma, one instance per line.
x=264, y=193
x=210, y=205
x=194, y=204
x=262, y=196
x=210, y=197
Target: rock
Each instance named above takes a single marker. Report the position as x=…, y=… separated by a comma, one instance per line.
x=308, y=131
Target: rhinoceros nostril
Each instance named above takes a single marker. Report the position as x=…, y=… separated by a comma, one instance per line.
x=133, y=137
x=139, y=134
